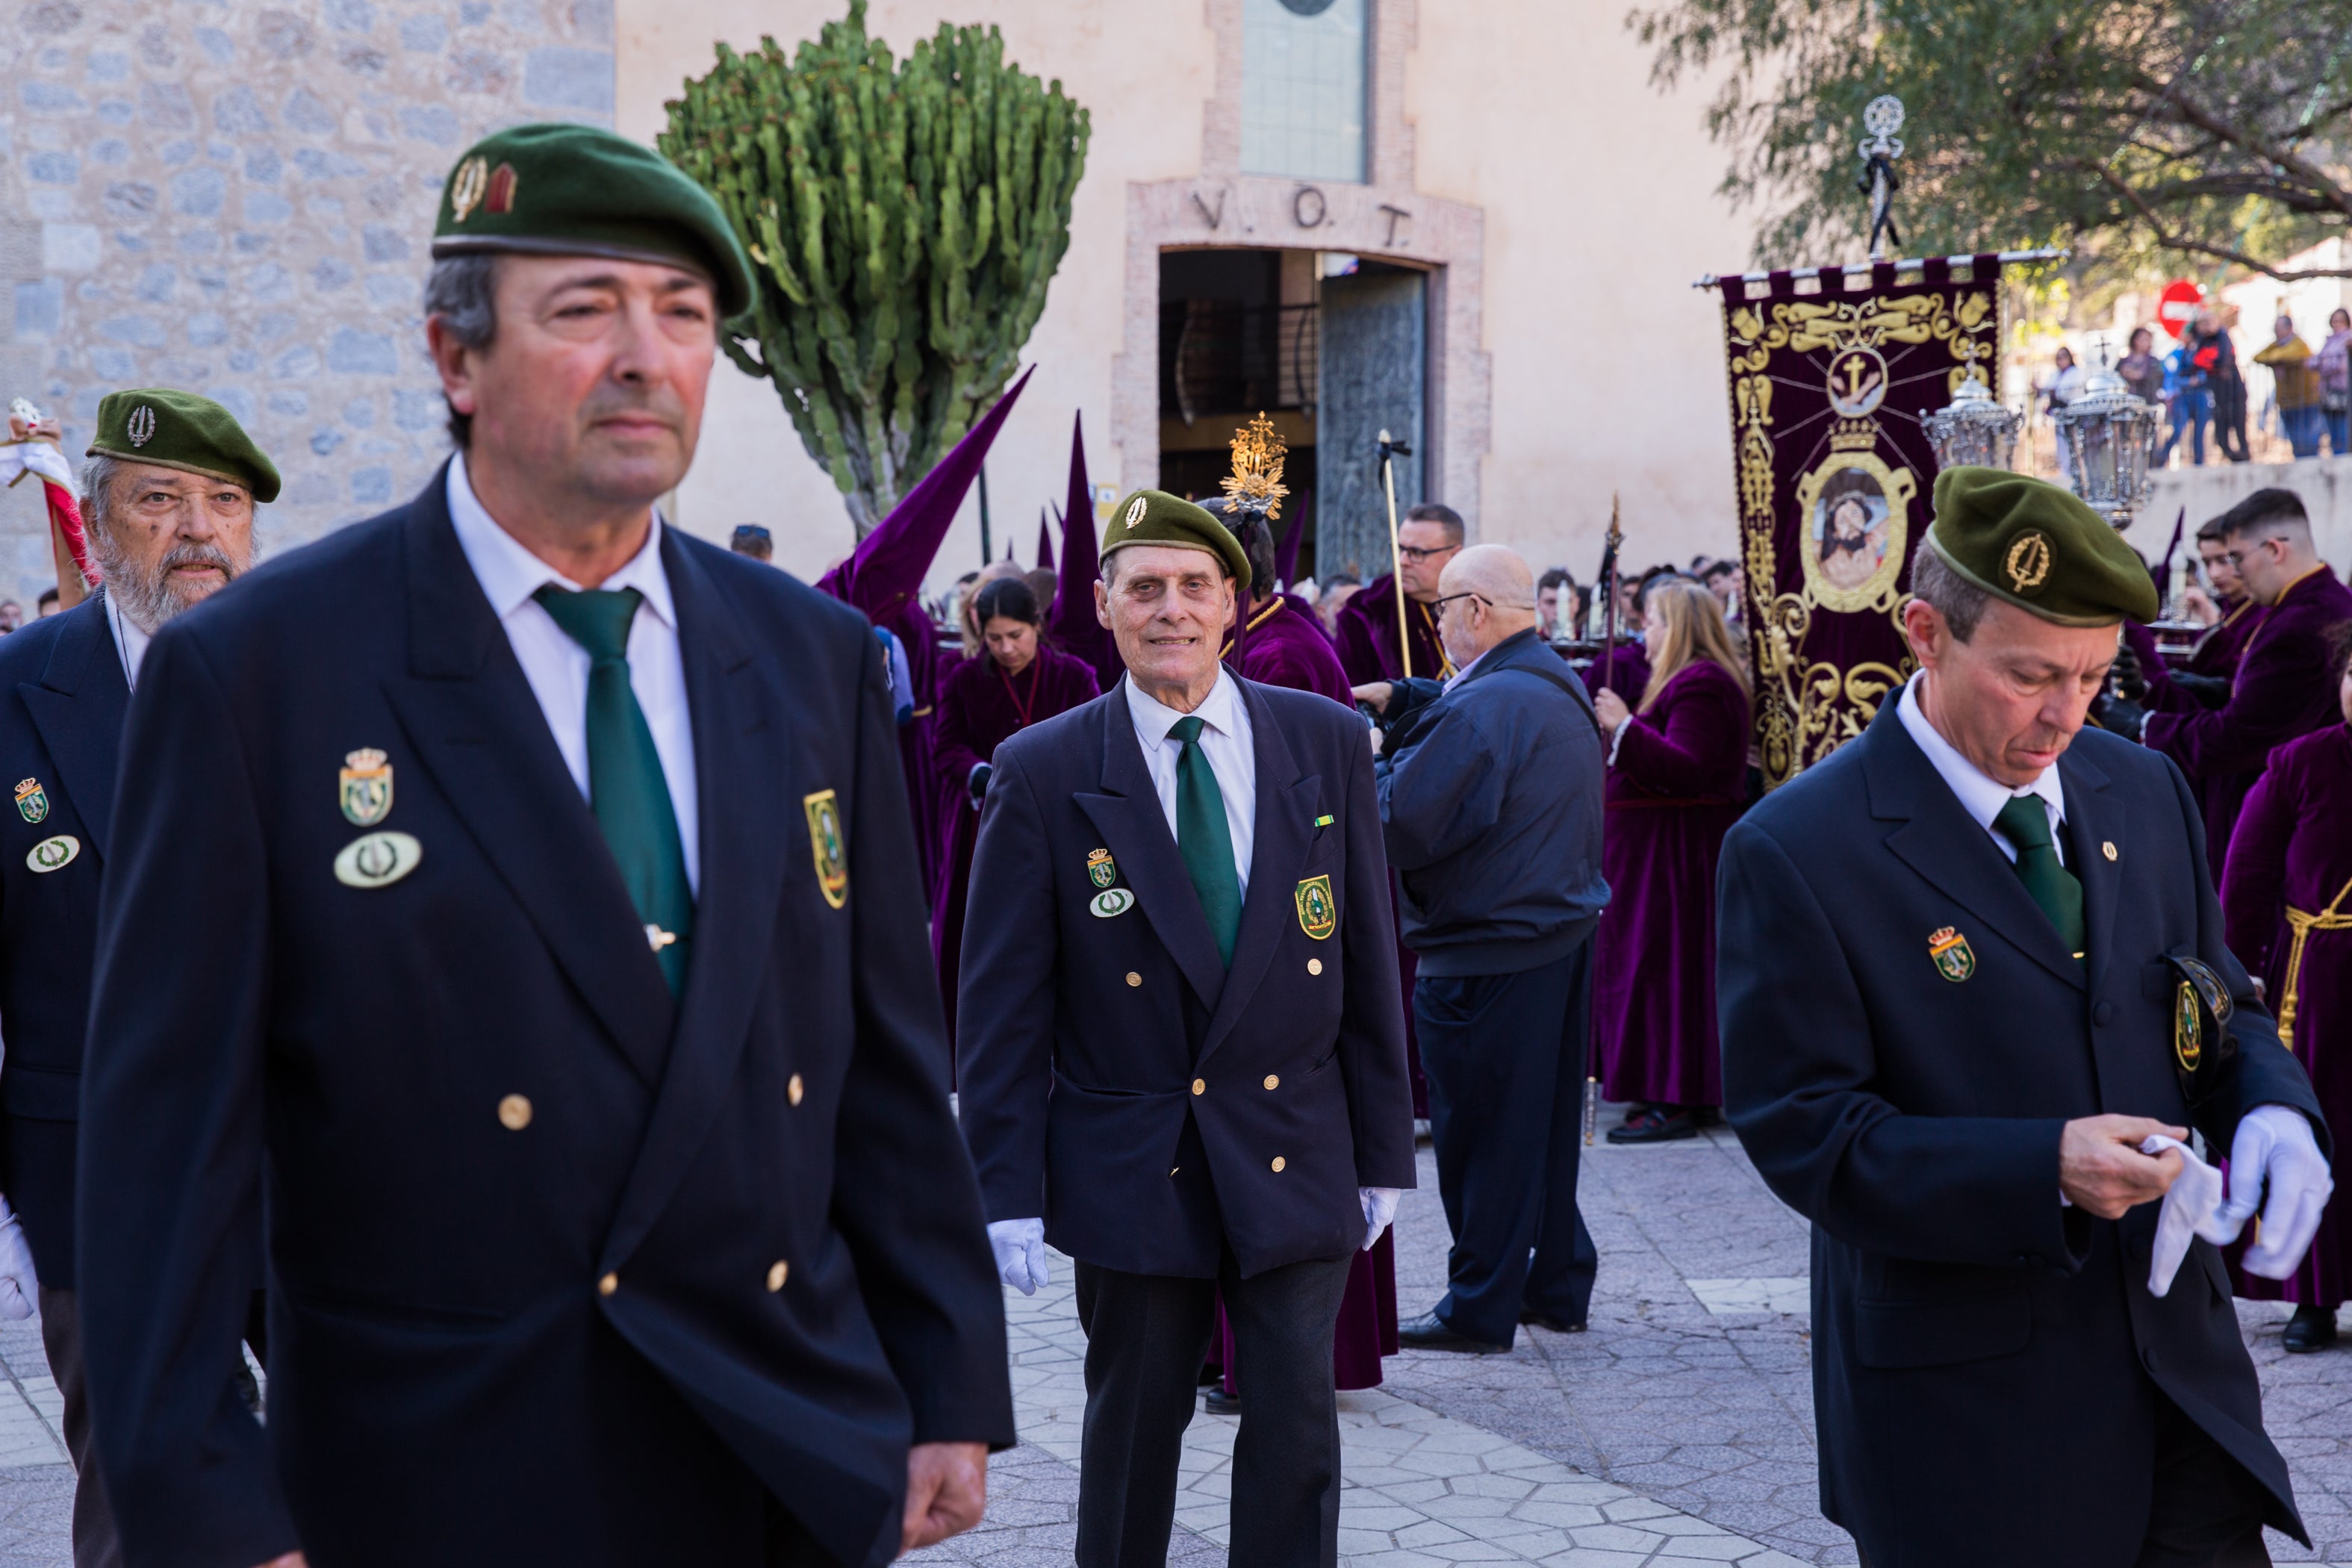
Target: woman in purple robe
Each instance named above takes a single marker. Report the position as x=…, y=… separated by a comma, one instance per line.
x=1678, y=781
x=2286, y=900
x=1013, y=682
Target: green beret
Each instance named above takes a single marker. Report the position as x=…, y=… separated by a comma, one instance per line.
x=2039, y=547
x=1155, y=517
x=180, y=430
x=574, y=190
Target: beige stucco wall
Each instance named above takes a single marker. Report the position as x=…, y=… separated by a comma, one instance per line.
x=1604, y=369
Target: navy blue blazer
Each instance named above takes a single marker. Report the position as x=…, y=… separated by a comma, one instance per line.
x=62, y=698
x=1114, y=1078
x=561, y=1271
x=1985, y=1361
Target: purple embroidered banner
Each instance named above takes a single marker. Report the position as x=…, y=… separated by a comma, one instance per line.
x=1828, y=376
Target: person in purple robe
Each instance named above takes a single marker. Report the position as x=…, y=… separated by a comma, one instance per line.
x=1367, y=635
x=1013, y=683
x=2286, y=901
x=1678, y=781
x=2280, y=691
x=1282, y=644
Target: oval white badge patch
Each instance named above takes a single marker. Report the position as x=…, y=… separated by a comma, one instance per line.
x=378, y=860
x=51, y=853
x=1116, y=901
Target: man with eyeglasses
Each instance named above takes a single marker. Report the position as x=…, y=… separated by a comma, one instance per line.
x=1430, y=536
x=1490, y=791
x=2280, y=690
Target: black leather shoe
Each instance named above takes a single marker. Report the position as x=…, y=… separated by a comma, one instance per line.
x=1557, y=1325
x=1429, y=1332
x=1217, y=1402
x=2311, y=1329
x=1656, y=1124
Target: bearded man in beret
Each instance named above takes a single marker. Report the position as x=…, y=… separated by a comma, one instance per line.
x=616, y=1211
x=1180, y=1049
x=1969, y=967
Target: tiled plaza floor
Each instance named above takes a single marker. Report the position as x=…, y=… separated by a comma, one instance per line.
x=1678, y=1430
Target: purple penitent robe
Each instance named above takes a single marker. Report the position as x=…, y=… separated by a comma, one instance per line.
x=1676, y=785
x=1366, y=636
x=980, y=706
x=1283, y=644
x=2293, y=850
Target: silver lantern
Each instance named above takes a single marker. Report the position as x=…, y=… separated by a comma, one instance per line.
x=1973, y=430
x=2108, y=433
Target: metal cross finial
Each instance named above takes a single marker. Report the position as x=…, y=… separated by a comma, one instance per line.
x=1883, y=117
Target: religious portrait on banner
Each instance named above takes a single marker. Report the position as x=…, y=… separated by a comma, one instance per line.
x=1829, y=376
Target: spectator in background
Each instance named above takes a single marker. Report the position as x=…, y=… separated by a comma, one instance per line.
x=2065, y=386
x=2188, y=389
x=2298, y=386
x=967, y=602
x=1337, y=589
x=2141, y=370
x=1729, y=585
x=1554, y=586
x=750, y=539
x=2334, y=363
x=46, y=605
x=1044, y=586
x=2228, y=386
x=1677, y=779
x=12, y=615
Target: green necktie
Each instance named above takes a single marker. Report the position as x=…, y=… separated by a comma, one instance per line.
x=1204, y=841
x=626, y=788
x=2025, y=823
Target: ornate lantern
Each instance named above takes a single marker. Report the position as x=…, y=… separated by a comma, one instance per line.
x=2107, y=432
x=1972, y=429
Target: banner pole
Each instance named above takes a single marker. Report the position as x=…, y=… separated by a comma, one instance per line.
x=1396, y=552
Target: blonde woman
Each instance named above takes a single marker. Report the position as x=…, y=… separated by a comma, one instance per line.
x=1678, y=781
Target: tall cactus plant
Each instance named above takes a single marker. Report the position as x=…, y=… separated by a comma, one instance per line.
x=903, y=222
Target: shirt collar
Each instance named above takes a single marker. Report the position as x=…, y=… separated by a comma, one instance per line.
x=510, y=574
x=1980, y=795
x=130, y=642
x=1153, y=718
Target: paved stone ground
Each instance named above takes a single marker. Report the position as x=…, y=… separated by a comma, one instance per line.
x=1679, y=1429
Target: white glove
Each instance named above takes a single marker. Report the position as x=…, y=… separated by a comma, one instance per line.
x=2192, y=1207
x=1020, y=1247
x=2274, y=1148
x=1380, y=1207
x=18, y=1287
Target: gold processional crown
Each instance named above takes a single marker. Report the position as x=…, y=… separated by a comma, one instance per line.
x=1255, y=483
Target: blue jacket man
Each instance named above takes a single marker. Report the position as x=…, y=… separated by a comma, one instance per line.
x=1490, y=802
x=515, y=900
x=1178, y=1044
x=1951, y=988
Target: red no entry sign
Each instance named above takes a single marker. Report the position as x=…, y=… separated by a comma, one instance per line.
x=2177, y=306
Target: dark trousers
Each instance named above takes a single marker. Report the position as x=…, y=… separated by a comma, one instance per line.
x=1506, y=1059
x=1146, y=1337
x=95, y=1542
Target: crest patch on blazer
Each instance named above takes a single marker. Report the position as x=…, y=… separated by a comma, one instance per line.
x=1319, y=910
x=826, y=843
x=2188, y=1028
x=32, y=800
x=367, y=787
x=1101, y=869
x=1955, y=959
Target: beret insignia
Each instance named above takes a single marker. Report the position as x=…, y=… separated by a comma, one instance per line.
x=1135, y=513
x=499, y=199
x=141, y=427
x=2028, y=562
x=465, y=190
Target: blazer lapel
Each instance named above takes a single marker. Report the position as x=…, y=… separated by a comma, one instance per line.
x=1135, y=829
x=475, y=725
x=1943, y=844
x=79, y=708
x=1278, y=853
x=2094, y=824
x=737, y=742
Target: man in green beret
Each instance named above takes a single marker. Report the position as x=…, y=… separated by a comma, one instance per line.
x=1974, y=994
x=167, y=498
x=1180, y=1044
x=522, y=893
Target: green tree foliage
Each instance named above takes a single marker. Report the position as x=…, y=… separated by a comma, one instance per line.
x=903, y=221
x=2141, y=131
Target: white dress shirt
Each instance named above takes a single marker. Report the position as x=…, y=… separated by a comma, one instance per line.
x=1224, y=741
x=557, y=667
x=129, y=640
x=1982, y=795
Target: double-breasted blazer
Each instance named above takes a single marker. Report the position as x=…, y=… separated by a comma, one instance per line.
x=1113, y=1076
x=562, y=1269
x=1904, y=1037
